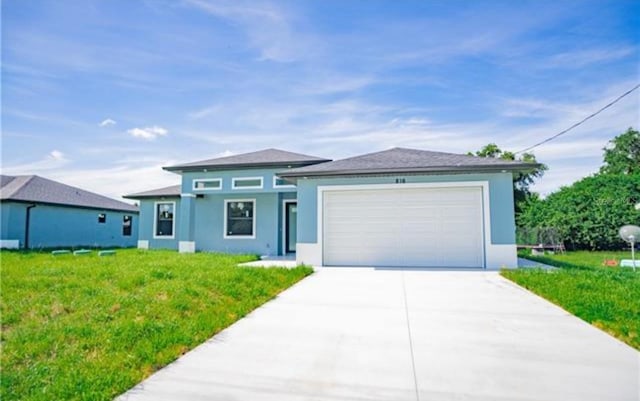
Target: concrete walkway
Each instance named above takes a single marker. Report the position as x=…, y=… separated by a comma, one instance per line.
x=366, y=334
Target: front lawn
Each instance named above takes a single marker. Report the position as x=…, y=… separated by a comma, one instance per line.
x=608, y=298
x=89, y=327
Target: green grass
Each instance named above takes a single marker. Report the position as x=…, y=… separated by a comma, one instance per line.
x=608, y=298
x=580, y=259
x=90, y=328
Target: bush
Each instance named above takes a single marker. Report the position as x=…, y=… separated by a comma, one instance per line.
x=588, y=214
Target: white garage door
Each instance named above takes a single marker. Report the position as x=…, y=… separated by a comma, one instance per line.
x=413, y=227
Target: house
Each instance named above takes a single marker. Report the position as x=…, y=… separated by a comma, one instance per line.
x=39, y=213
x=399, y=207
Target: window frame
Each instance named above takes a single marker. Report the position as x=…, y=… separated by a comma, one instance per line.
x=155, y=221
x=236, y=179
x=276, y=178
x=130, y=225
x=226, y=220
x=196, y=180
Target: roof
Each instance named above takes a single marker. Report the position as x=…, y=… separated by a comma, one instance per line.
x=33, y=188
x=261, y=158
x=403, y=160
x=171, y=191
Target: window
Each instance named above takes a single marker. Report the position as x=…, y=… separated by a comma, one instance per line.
x=239, y=216
x=127, y=222
x=102, y=218
x=281, y=183
x=207, y=184
x=164, y=219
x=247, y=183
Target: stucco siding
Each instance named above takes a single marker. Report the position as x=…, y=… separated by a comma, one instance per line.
x=227, y=176
x=58, y=226
x=147, y=217
x=210, y=225
x=500, y=198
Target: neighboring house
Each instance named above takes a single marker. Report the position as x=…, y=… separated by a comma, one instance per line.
x=399, y=207
x=41, y=213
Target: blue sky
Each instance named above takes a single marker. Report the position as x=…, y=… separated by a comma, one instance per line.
x=101, y=94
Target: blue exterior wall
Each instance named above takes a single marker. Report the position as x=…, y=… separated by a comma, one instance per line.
x=65, y=226
x=146, y=223
x=207, y=214
x=227, y=176
x=500, y=196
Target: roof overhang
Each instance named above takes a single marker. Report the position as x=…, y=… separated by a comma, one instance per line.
x=133, y=210
x=494, y=168
x=240, y=166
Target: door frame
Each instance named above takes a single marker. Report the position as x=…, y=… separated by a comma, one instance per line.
x=284, y=224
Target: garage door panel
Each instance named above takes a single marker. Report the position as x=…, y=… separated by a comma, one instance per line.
x=419, y=227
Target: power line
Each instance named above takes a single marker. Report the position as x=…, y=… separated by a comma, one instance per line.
x=580, y=122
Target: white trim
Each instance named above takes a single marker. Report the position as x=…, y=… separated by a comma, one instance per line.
x=235, y=179
x=485, y=206
x=187, y=195
x=195, y=180
x=155, y=221
x=502, y=256
x=143, y=244
x=275, y=178
x=10, y=243
x=255, y=217
x=186, y=246
x=308, y=254
x=284, y=223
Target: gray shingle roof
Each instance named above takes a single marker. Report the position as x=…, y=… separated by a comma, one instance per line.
x=261, y=158
x=171, y=191
x=403, y=160
x=33, y=188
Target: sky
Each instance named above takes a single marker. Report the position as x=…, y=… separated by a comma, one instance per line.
x=102, y=94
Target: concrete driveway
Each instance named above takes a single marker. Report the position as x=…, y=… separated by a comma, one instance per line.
x=366, y=334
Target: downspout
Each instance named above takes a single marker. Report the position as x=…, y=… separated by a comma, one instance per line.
x=26, y=225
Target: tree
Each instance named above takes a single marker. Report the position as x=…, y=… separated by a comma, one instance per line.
x=623, y=156
x=521, y=180
x=588, y=213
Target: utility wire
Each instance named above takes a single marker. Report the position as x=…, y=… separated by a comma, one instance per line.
x=580, y=122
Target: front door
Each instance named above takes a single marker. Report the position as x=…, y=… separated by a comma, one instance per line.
x=290, y=223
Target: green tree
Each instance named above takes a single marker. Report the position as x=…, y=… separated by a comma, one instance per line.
x=521, y=180
x=588, y=214
x=623, y=156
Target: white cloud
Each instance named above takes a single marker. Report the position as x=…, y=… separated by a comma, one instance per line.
x=582, y=58
x=268, y=28
x=53, y=160
x=148, y=133
x=107, y=122
x=57, y=155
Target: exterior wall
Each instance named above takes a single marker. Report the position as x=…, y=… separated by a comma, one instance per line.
x=227, y=176
x=65, y=226
x=199, y=215
x=210, y=225
x=147, y=216
x=500, y=252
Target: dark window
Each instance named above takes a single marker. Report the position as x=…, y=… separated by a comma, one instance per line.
x=164, y=219
x=102, y=218
x=280, y=182
x=127, y=221
x=247, y=183
x=240, y=218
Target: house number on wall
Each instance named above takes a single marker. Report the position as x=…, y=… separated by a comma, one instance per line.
x=400, y=181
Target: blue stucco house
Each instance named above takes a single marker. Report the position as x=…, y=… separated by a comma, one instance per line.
x=36, y=212
x=397, y=208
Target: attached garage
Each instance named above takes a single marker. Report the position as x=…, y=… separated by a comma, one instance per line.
x=407, y=208
x=404, y=227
